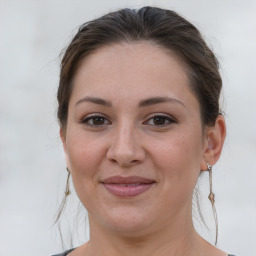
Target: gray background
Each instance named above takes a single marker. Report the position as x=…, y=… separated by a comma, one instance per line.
x=32, y=166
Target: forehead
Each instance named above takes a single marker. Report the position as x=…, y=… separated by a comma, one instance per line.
x=135, y=70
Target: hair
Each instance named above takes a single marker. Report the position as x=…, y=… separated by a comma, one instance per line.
x=164, y=28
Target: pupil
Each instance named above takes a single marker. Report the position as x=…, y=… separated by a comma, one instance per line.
x=98, y=120
x=159, y=120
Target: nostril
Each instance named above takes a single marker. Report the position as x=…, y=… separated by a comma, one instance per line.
x=124, y=163
x=125, y=151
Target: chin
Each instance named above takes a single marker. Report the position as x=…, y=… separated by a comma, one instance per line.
x=128, y=221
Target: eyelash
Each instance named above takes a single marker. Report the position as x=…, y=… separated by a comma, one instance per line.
x=93, y=117
x=165, y=117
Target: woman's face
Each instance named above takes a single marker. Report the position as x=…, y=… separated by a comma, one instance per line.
x=134, y=141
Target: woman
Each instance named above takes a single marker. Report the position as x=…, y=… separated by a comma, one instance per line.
x=139, y=121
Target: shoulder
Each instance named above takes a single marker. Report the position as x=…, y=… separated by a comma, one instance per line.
x=64, y=253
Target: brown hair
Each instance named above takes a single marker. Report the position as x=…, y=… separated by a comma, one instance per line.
x=162, y=27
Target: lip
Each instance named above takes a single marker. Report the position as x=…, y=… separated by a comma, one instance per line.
x=127, y=186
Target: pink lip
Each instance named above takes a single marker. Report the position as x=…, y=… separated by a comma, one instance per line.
x=127, y=186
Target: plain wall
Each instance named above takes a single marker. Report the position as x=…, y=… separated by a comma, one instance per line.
x=32, y=164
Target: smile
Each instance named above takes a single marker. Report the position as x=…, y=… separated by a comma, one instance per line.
x=127, y=186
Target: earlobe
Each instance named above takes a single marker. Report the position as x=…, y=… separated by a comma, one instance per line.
x=215, y=136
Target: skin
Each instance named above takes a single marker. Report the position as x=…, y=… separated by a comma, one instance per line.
x=127, y=140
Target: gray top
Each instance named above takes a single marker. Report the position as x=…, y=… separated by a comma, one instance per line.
x=68, y=251
x=64, y=253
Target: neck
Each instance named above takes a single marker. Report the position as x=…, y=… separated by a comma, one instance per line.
x=176, y=238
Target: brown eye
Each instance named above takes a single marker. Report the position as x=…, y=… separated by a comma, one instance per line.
x=159, y=120
x=98, y=120
x=95, y=120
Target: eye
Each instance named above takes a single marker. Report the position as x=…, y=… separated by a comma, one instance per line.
x=159, y=120
x=95, y=120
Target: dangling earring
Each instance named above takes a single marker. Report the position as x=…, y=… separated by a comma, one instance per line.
x=212, y=199
x=64, y=200
x=67, y=191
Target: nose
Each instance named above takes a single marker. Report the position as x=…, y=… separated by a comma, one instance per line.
x=125, y=147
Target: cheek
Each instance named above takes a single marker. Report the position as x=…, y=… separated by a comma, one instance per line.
x=179, y=158
x=85, y=154
x=178, y=165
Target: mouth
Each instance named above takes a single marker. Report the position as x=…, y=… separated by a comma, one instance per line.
x=127, y=186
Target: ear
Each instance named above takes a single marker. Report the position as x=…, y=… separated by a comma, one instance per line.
x=63, y=139
x=214, y=140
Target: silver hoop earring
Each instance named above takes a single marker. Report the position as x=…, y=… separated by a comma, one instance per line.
x=212, y=200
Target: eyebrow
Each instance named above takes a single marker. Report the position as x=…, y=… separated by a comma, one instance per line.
x=95, y=100
x=158, y=100
x=143, y=103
